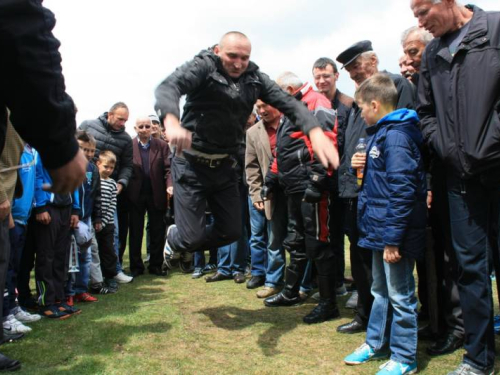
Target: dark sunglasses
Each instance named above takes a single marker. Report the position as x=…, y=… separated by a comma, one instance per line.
x=143, y=126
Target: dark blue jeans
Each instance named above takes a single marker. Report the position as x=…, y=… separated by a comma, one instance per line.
x=474, y=210
x=258, y=240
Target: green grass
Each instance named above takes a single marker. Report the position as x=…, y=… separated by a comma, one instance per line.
x=176, y=325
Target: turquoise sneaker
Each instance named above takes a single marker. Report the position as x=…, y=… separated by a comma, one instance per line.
x=363, y=354
x=397, y=368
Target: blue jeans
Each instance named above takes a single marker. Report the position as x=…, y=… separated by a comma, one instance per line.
x=78, y=281
x=258, y=240
x=474, y=210
x=117, y=244
x=276, y=257
x=393, y=319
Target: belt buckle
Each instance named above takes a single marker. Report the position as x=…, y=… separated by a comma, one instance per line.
x=214, y=163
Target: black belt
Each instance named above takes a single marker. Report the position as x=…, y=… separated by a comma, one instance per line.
x=211, y=163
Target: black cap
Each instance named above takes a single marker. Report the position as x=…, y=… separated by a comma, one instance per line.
x=350, y=54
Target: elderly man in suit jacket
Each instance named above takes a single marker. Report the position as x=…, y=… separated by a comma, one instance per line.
x=268, y=257
x=147, y=192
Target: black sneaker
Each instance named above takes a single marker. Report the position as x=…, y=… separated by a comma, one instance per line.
x=99, y=289
x=112, y=285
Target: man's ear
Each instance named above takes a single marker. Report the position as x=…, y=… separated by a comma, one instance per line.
x=374, y=105
x=217, y=49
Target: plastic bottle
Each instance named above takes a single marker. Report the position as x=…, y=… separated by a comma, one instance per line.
x=360, y=148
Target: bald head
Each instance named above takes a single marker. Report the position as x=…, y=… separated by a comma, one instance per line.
x=143, y=128
x=233, y=36
x=234, y=51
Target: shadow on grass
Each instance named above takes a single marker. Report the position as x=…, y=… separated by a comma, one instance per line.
x=234, y=318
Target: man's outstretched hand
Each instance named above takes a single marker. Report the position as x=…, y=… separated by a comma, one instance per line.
x=323, y=148
x=69, y=177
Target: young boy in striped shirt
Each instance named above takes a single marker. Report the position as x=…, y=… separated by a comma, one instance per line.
x=106, y=164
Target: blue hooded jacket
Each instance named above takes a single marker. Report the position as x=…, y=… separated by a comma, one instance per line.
x=22, y=206
x=392, y=204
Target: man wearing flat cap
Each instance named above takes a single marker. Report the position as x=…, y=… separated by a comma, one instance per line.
x=361, y=63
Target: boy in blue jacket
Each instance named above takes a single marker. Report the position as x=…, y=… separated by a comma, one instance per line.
x=56, y=215
x=392, y=218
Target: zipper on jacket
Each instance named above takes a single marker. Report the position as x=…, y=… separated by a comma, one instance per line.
x=299, y=155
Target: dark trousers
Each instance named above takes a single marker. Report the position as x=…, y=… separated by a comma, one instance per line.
x=336, y=216
x=107, y=254
x=195, y=185
x=17, y=241
x=52, y=244
x=450, y=319
x=27, y=263
x=320, y=246
x=123, y=212
x=4, y=258
x=474, y=210
x=294, y=241
x=361, y=263
x=157, y=228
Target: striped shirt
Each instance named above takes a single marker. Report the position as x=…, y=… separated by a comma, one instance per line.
x=108, y=200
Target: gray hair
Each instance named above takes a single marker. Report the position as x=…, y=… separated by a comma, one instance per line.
x=368, y=55
x=425, y=36
x=289, y=79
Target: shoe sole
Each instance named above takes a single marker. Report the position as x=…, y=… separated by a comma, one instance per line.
x=292, y=305
x=322, y=321
x=374, y=358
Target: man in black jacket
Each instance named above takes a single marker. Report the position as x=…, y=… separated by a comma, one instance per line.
x=361, y=63
x=222, y=85
x=109, y=133
x=459, y=108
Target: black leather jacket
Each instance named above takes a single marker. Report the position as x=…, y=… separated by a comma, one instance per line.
x=217, y=107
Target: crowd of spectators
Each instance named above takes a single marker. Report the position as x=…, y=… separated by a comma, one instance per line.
x=416, y=184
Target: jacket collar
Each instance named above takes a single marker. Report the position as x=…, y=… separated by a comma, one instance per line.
x=478, y=28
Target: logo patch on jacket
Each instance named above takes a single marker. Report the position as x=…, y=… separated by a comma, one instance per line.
x=374, y=152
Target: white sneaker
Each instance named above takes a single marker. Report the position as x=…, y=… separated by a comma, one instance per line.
x=12, y=325
x=352, y=302
x=123, y=279
x=168, y=252
x=24, y=316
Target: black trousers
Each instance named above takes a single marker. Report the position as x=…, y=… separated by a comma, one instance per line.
x=27, y=263
x=361, y=263
x=450, y=319
x=123, y=210
x=136, y=230
x=107, y=254
x=4, y=258
x=336, y=226
x=195, y=185
x=52, y=245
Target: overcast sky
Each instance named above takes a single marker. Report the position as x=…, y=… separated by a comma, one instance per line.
x=120, y=50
